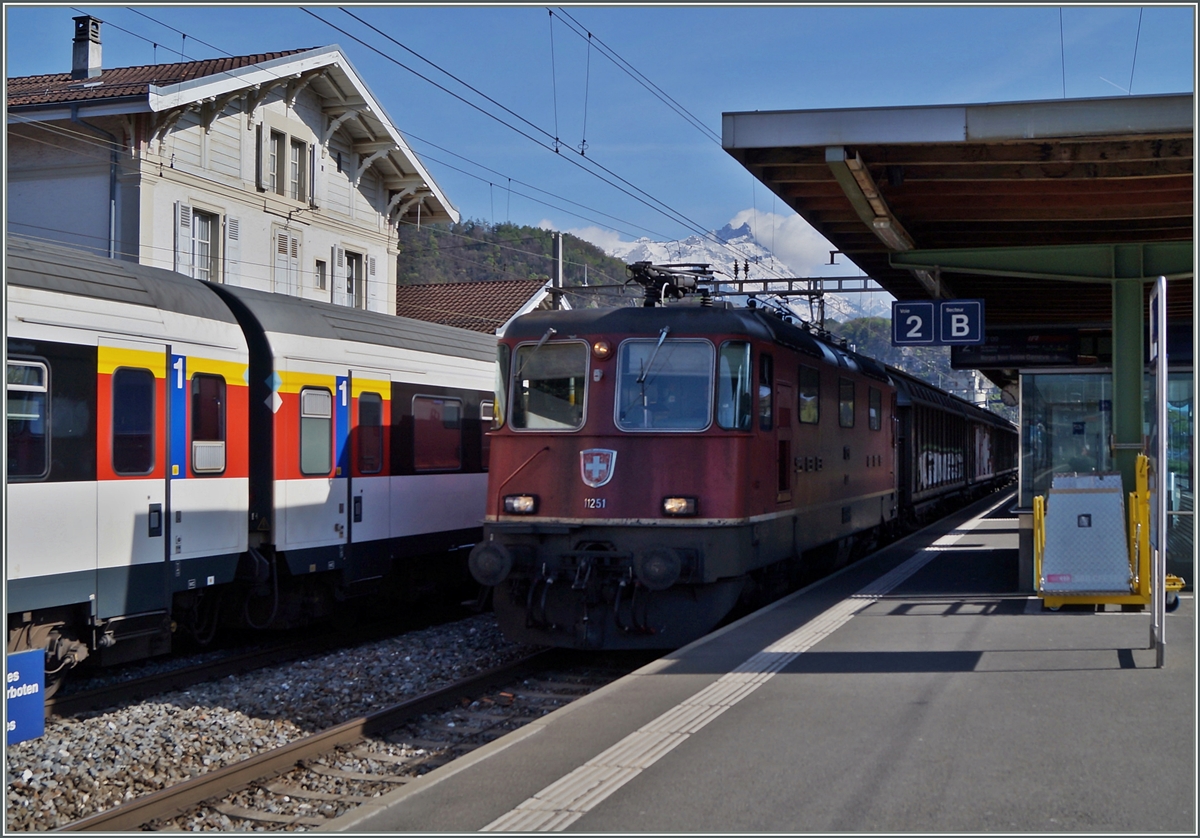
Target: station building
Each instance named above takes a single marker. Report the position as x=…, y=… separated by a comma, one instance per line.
x=278, y=171
x=1059, y=215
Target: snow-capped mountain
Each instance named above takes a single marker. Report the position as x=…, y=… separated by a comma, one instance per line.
x=723, y=248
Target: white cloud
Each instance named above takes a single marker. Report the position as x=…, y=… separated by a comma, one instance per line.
x=794, y=242
x=606, y=240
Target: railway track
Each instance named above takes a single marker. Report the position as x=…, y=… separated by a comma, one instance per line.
x=313, y=780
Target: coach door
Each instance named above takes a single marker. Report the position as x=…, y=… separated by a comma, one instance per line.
x=132, y=458
x=367, y=463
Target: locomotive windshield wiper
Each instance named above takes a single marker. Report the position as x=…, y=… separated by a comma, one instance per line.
x=540, y=344
x=641, y=379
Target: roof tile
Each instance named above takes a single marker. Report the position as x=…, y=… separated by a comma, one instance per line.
x=478, y=306
x=121, y=82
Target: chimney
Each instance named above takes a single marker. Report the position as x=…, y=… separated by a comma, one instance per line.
x=85, y=52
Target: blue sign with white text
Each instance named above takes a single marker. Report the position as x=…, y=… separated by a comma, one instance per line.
x=960, y=321
x=24, y=696
x=913, y=324
x=937, y=323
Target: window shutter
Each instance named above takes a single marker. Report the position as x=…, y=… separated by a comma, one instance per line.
x=294, y=266
x=233, y=250
x=282, y=264
x=339, y=276
x=183, y=239
x=373, y=301
x=262, y=158
x=314, y=170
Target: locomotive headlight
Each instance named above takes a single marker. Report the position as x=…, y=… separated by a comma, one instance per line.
x=679, y=506
x=520, y=504
x=601, y=349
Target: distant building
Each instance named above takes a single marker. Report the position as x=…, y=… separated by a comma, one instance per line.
x=479, y=306
x=277, y=171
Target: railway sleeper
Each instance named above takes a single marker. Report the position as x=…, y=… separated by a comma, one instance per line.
x=231, y=811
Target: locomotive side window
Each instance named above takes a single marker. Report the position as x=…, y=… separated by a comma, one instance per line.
x=664, y=385
x=133, y=421
x=846, y=402
x=874, y=408
x=370, y=433
x=437, y=433
x=809, y=396
x=28, y=440
x=549, y=385
x=208, y=424
x=766, y=375
x=503, y=354
x=487, y=417
x=316, y=431
x=733, y=386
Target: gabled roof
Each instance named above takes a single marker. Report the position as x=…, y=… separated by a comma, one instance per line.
x=478, y=306
x=122, y=82
x=211, y=84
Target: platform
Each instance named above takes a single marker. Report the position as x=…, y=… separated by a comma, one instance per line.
x=912, y=692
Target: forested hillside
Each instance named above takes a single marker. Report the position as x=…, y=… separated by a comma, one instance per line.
x=473, y=251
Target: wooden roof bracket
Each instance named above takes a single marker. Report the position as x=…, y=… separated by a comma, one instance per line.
x=859, y=187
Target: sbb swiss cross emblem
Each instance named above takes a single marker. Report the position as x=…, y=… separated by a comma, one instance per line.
x=597, y=465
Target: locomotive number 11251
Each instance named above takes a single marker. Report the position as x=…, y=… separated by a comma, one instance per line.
x=593, y=503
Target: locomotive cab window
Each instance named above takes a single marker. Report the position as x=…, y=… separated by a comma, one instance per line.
x=370, y=433
x=208, y=424
x=133, y=421
x=734, y=406
x=664, y=385
x=808, y=396
x=549, y=385
x=846, y=402
x=437, y=433
x=28, y=440
x=874, y=409
x=316, y=431
x=766, y=375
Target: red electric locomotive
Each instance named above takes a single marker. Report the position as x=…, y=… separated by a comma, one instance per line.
x=648, y=462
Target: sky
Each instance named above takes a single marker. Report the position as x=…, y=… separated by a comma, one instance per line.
x=521, y=117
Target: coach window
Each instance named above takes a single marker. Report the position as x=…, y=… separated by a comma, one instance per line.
x=874, y=408
x=549, y=386
x=28, y=441
x=846, y=402
x=766, y=375
x=809, y=396
x=370, y=433
x=487, y=419
x=437, y=433
x=208, y=424
x=664, y=385
x=133, y=421
x=316, y=431
x=734, y=411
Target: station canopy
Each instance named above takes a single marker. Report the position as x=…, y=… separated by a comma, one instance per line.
x=1034, y=207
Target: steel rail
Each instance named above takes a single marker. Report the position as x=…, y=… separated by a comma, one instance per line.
x=176, y=799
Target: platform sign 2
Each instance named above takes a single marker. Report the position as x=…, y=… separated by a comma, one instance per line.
x=937, y=323
x=913, y=324
x=24, y=696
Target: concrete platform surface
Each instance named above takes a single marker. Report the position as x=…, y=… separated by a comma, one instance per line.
x=911, y=692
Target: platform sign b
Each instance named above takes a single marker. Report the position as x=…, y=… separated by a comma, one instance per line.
x=24, y=696
x=961, y=321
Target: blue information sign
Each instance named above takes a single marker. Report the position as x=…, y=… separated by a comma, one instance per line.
x=937, y=323
x=913, y=324
x=24, y=696
x=960, y=321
